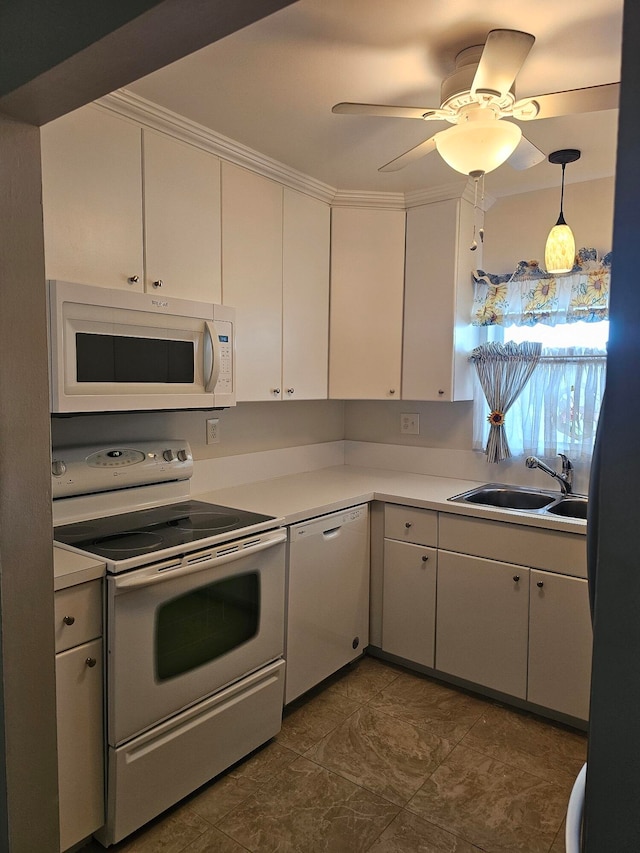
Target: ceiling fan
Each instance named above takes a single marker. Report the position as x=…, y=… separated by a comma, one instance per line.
x=476, y=97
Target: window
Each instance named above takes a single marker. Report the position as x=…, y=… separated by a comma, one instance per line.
x=558, y=410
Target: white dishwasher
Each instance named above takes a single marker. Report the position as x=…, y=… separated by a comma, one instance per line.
x=327, y=596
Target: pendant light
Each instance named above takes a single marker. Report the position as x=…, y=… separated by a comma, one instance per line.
x=560, y=250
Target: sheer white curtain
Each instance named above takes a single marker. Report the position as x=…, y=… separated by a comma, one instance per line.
x=558, y=409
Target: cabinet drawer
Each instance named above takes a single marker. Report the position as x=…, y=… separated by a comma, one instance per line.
x=78, y=614
x=408, y=524
x=553, y=550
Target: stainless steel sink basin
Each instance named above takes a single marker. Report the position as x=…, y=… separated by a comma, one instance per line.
x=570, y=507
x=506, y=497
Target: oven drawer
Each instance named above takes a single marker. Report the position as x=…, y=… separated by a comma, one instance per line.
x=78, y=614
x=155, y=770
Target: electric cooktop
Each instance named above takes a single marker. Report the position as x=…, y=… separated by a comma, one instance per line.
x=132, y=534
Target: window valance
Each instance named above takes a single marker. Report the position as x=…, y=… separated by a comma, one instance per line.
x=530, y=295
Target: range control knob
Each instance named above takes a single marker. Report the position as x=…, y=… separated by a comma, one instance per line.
x=169, y=455
x=183, y=455
x=58, y=467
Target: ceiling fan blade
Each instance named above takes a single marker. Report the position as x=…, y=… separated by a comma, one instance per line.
x=503, y=56
x=526, y=155
x=409, y=156
x=589, y=100
x=387, y=110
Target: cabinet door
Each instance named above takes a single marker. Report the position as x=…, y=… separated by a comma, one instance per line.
x=409, y=601
x=438, y=336
x=482, y=622
x=252, y=279
x=367, y=281
x=305, y=296
x=92, y=199
x=80, y=742
x=560, y=639
x=181, y=219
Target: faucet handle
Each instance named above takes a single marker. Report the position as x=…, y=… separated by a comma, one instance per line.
x=566, y=463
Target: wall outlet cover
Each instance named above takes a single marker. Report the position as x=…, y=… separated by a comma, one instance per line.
x=213, y=430
x=410, y=424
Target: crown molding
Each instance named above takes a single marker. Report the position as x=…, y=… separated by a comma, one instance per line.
x=366, y=198
x=458, y=189
x=155, y=117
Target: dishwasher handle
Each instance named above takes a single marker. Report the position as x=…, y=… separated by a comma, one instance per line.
x=332, y=532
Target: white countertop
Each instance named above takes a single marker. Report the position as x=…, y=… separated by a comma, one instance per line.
x=70, y=569
x=297, y=497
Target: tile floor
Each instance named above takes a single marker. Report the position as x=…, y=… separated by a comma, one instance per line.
x=385, y=761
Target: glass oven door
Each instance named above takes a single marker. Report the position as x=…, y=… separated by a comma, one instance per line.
x=179, y=631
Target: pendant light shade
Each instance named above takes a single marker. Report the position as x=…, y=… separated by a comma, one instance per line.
x=560, y=249
x=478, y=146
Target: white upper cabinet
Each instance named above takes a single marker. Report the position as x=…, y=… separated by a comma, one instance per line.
x=181, y=219
x=438, y=336
x=367, y=272
x=305, y=297
x=99, y=187
x=252, y=279
x=92, y=199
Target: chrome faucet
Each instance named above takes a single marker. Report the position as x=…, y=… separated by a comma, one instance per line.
x=565, y=478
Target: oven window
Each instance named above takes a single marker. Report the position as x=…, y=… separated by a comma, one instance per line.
x=206, y=623
x=116, y=358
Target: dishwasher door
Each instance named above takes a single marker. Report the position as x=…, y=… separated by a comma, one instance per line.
x=328, y=597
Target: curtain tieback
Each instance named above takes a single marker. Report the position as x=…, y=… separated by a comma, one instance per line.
x=496, y=418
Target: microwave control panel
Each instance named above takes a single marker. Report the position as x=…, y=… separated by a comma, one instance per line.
x=224, y=331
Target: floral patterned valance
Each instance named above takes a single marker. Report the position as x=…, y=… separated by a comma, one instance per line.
x=530, y=295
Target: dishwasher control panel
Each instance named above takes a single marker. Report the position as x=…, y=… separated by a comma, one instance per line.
x=327, y=524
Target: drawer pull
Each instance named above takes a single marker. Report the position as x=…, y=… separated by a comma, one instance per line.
x=407, y=524
x=68, y=620
x=540, y=584
x=516, y=578
x=91, y=662
x=424, y=558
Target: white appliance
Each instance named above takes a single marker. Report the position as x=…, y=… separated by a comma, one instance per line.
x=195, y=623
x=328, y=596
x=115, y=350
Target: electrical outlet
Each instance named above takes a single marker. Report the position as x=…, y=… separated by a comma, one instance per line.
x=410, y=424
x=213, y=430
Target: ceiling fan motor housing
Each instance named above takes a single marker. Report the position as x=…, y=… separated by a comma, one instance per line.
x=455, y=91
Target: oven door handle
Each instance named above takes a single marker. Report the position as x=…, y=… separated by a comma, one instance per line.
x=158, y=574
x=214, y=354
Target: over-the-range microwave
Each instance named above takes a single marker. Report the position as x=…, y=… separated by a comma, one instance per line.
x=116, y=351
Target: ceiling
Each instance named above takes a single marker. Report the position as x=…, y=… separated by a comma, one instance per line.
x=271, y=86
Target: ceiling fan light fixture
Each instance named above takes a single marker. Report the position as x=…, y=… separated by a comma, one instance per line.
x=478, y=146
x=560, y=249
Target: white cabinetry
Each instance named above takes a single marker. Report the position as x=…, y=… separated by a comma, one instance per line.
x=481, y=633
x=92, y=199
x=97, y=180
x=367, y=279
x=559, y=643
x=438, y=336
x=79, y=691
x=275, y=251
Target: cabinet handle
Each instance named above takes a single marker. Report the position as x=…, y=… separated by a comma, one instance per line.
x=68, y=620
x=275, y=391
x=440, y=392
x=133, y=279
x=158, y=283
x=290, y=390
x=91, y=662
x=407, y=524
x=424, y=558
x=516, y=578
x=540, y=584
x=392, y=390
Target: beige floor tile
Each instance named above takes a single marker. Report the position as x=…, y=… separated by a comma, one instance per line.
x=384, y=754
x=558, y=845
x=214, y=801
x=306, y=722
x=307, y=809
x=410, y=834
x=170, y=833
x=214, y=841
x=425, y=702
x=499, y=808
x=364, y=679
x=521, y=740
x=263, y=764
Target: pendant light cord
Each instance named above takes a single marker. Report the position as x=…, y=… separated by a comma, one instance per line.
x=561, y=220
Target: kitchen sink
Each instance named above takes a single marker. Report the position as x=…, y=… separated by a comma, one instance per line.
x=570, y=507
x=506, y=497
x=529, y=500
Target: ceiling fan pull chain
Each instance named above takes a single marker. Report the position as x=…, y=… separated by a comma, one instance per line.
x=474, y=242
x=481, y=231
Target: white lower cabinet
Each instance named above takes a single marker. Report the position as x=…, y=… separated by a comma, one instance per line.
x=559, y=643
x=481, y=632
x=79, y=708
x=409, y=601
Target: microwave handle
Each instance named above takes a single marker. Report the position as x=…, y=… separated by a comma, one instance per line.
x=214, y=345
